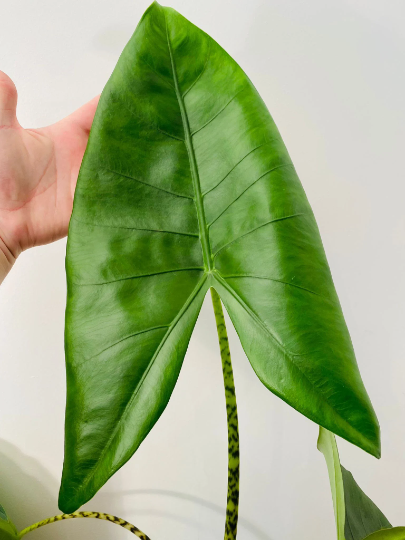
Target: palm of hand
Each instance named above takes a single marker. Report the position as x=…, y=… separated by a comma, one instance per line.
x=38, y=173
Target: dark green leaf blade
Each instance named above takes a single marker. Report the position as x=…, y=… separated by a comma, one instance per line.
x=363, y=517
x=186, y=184
x=356, y=515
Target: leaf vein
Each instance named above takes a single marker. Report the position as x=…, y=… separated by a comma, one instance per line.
x=255, y=229
x=140, y=276
x=254, y=276
x=154, y=126
x=202, y=71
x=234, y=167
x=219, y=112
x=246, y=189
x=146, y=183
x=123, y=339
x=194, y=235
x=157, y=73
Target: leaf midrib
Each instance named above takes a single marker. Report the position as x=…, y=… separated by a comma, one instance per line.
x=202, y=222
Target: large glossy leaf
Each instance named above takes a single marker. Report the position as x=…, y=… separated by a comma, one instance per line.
x=356, y=515
x=185, y=185
x=8, y=530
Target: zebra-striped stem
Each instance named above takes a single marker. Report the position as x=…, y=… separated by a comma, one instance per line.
x=97, y=515
x=231, y=523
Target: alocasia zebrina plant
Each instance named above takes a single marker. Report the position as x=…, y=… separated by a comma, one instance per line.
x=186, y=185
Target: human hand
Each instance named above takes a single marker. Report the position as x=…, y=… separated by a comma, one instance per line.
x=38, y=174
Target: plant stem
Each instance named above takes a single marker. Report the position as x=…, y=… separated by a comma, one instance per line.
x=96, y=515
x=231, y=523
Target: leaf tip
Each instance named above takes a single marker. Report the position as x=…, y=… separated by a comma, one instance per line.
x=372, y=445
x=69, y=500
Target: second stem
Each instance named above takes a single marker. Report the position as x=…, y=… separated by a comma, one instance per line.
x=231, y=523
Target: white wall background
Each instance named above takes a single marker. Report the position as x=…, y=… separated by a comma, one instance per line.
x=331, y=72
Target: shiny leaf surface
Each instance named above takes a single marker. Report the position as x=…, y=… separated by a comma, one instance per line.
x=356, y=515
x=185, y=185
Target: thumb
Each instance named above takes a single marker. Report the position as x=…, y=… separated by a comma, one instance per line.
x=8, y=102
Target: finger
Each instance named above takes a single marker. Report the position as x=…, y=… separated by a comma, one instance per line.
x=84, y=116
x=8, y=102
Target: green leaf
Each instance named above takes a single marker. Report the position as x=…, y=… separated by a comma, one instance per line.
x=362, y=515
x=356, y=515
x=397, y=533
x=8, y=530
x=185, y=185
